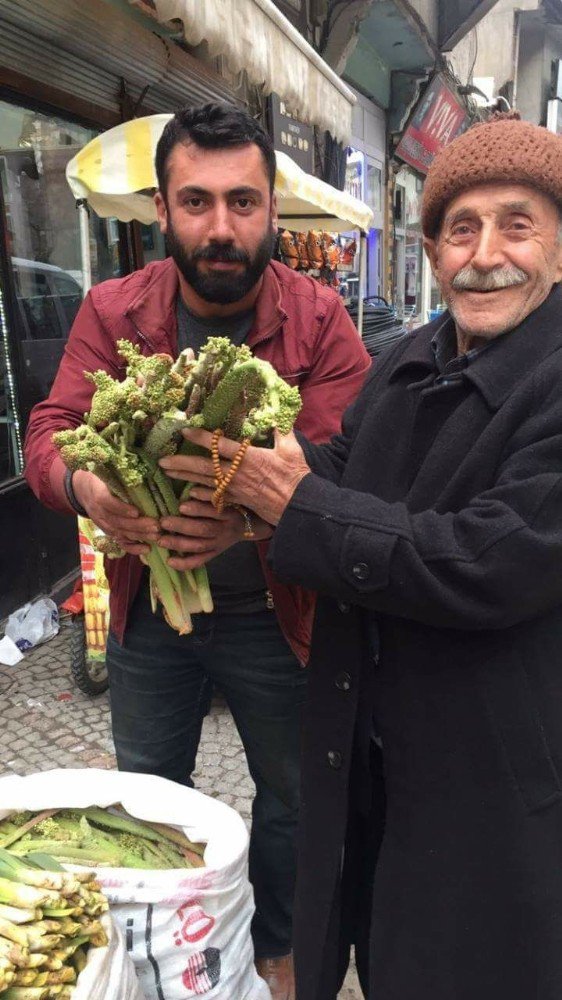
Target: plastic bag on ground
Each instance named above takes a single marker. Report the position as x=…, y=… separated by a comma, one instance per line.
x=35, y=622
x=187, y=930
x=109, y=973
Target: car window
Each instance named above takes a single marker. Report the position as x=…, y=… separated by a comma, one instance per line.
x=64, y=285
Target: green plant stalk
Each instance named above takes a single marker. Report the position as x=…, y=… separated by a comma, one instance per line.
x=25, y=896
x=157, y=497
x=247, y=380
x=66, y=849
x=203, y=589
x=12, y=867
x=18, y=915
x=112, y=821
x=170, y=591
x=70, y=947
x=43, y=942
x=169, y=582
x=177, y=837
x=34, y=993
x=244, y=382
x=13, y=932
x=79, y=960
x=17, y=954
x=19, y=831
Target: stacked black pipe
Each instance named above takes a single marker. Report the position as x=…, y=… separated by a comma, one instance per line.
x=381, y=328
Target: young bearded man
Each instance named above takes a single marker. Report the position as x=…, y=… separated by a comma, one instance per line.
x=217, y=207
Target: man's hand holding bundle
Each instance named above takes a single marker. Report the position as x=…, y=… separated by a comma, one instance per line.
x=265, y=479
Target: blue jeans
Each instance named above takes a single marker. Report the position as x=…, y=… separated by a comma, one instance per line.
x=160, y=685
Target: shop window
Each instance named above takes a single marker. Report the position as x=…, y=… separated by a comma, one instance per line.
x=399, y=206
x=153, y=243
x=374, y=186
x=42, y=238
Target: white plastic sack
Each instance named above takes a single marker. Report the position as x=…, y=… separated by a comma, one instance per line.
x=109, y=973
x=33, y=623
x=187, y=930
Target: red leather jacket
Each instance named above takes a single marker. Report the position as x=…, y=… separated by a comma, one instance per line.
x=300, y=327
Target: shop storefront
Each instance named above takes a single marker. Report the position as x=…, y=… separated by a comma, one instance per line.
x=409, y=261
x=365, y=179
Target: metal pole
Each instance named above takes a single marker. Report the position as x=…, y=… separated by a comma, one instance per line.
x=84, y=223
x=362, y=290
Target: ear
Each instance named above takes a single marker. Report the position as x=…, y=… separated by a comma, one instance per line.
x=161, y=212
x=274, y=214
x=430, y=247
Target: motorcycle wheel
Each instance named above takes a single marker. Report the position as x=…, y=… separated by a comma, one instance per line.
x=88, y=675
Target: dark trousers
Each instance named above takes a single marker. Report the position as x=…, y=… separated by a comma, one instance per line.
x=160, y=686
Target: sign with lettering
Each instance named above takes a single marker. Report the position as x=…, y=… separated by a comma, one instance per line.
x=290, y=134
x=439, y=118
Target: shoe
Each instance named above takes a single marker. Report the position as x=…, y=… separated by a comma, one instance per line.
x=279, y=975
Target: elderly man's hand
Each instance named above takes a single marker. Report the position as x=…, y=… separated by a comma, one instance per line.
x=266, y=478
x=201, y=533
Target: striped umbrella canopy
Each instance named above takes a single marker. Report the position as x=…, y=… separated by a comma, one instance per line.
x=115, y=174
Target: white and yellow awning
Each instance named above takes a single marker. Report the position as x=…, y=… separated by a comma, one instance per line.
x=305, y=202
x=115, y=174
x=253, y=36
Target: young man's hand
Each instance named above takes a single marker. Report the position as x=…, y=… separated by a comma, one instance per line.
x=201, y=533
x=121, y=521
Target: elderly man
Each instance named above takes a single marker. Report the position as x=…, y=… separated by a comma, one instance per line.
x=433, y=527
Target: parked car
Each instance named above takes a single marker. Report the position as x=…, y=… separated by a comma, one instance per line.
x=48, y=299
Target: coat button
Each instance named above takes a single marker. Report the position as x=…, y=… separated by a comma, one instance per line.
x=361, y=571
x=343, y=681
x=344, y=608
x=334, y=759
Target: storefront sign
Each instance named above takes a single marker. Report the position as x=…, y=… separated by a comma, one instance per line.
x=439, y=118
x=354, y=174
x=554, y=116
x=291, y=135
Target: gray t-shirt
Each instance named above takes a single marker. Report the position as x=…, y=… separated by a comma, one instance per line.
x=236, y=576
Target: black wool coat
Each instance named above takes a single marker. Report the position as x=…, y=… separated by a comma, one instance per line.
x=436, y=520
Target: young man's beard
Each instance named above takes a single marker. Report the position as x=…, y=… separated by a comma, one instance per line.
x=224, y=288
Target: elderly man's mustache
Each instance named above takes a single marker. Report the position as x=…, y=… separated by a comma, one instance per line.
x=468, y=279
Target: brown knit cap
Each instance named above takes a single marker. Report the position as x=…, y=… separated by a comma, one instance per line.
x=501, y=149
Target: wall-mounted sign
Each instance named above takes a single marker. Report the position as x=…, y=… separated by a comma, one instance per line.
x=554, y=116
x=438, y=119
x=354, y=174
x=291, y=135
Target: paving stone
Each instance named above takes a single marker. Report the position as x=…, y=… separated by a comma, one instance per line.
x=65, y=741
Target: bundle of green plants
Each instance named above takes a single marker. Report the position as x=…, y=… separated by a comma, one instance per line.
x=49, y=919
x=98, y=838
x=134, y=422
